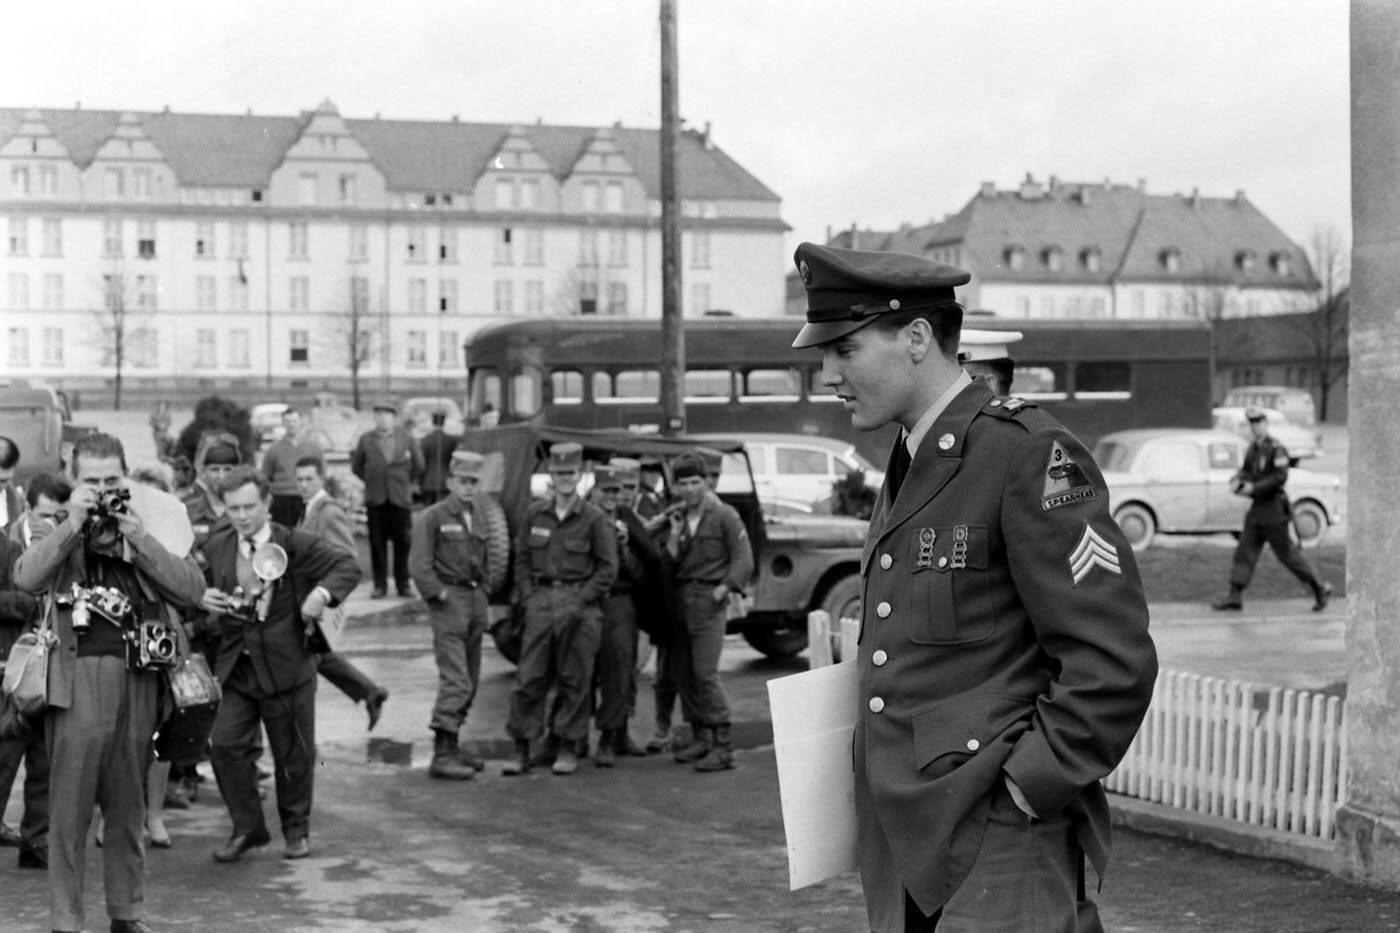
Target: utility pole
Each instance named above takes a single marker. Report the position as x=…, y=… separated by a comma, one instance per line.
x=672, y=332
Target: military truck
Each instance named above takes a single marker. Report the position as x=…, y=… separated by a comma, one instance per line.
x=38, y=420
x=802, y=562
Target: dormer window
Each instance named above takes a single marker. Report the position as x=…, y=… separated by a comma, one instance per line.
x=1091, y=257
x=1170, y=259
x=1279, y=263
x=1245, y=261
x=1015, y=258
x=1054, y=259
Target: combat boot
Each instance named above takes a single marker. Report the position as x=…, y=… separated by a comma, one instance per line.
x=606, y=755
x=697, y=748
x=548, y=751
x=520, y=764
x=447, y=762
x=660, y=740
x=1233, y=600
x=721, y=754
x=566, y=762
x=1322, y=593
x=624, y=745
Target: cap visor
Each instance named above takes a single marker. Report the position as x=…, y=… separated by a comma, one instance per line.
x=814, y=335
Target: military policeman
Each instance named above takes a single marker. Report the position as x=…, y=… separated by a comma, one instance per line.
x=565, y=563
x=1261, y=477
x=985, y=355
x=1004, y=660
x=713, y=558
x=455, y=571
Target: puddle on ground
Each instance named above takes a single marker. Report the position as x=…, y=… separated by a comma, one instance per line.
x=389, y=751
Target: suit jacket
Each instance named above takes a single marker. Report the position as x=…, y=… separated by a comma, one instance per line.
x=385, y=482
x=325, y=519
x=277, y=646
x=437, y=457
x=1003, y=632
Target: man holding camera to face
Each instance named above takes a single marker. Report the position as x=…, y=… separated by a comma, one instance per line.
x=268, y=584
x=111, y=586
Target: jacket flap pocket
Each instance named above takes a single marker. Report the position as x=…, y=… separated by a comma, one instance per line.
x=957, y=547
x=965, y=725
x=577, y=547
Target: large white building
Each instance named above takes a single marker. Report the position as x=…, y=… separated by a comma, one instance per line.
x=241, y=253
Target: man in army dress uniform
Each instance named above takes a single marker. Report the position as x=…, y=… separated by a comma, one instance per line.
x=565, y=563
x=1261, y=478
x=1004, y=660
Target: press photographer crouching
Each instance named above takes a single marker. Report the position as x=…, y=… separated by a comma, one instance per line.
x=112, y=574
x=267, y=586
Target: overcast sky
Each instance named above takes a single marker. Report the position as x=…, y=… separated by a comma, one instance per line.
x=873, y=113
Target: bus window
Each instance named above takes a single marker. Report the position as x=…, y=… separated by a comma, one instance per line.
x=816, y=391
x=1102, y=380
x=525, y=386
x=631, y=386
x=485, y=390
x=769, y=385
x=566, y=387
x=1047, y=382
x=708, y=386
x=601, y=384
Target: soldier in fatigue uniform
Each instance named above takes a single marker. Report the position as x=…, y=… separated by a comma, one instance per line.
x=1261, y=478
x=565, y=564
x=452, y=568
x=1004, y=659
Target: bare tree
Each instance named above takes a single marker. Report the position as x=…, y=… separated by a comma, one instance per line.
x=352, y=334
x=585, y=289
x=126, y=301
x=1321, y=327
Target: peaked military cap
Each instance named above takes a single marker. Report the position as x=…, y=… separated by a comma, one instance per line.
x=466, y=463
x=628, y=469
x=978, y=346
x=386, y=404
x=566, y=455
x=848, y=288
x=607, y=476
x=1254, y=413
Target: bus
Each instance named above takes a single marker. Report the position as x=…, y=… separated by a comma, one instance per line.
x=742, y=375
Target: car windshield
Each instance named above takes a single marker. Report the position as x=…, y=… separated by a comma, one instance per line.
x=1113, y=455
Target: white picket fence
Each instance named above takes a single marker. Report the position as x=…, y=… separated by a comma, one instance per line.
x=1266, y=756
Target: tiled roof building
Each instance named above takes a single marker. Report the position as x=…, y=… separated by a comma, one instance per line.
x=245, y=241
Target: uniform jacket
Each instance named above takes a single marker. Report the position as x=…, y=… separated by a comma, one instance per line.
x=385, y=482
x=205, y=513
x=449, y=542
x=277, y=645
x=581, y=548
x=437, y=457
x=1266, y=466
x=719, y=550
x=325, y=519
x=1003, y=632
x=56, y=561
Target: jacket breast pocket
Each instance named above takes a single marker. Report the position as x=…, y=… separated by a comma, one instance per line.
x=576, y=559
x=950, y=600
x=711, y=547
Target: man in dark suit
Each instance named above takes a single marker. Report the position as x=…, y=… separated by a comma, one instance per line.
x=437, y=457
x=267, y=671
x=389, y=462
x=1004, y=660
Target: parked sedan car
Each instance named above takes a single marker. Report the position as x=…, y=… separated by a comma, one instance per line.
x=1177, y=481
x=418, y=416
x=267, y=424
x=793, y=468
x=1300, y=442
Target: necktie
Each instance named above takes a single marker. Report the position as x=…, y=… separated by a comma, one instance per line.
x=246, y=578
x=899, y=467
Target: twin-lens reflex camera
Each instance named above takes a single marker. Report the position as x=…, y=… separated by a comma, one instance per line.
x=150, y=644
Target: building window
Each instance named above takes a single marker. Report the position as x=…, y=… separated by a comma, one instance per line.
x=143, y=348
x=19, y=236
x=588, y=247
x=299, y=293
x=1054, y=259
x=1245, y=261
x=530, y=194
x=53, y=236
x=48, y=181
x=417, y=252
x=416, y=349
x=505, y=296
x=505, y=194
x=447, y=296
x=204, y=293
x=359, y=242
x=617, y=248
x=534, y=247
x=417, y=296
x=447, y=349
x=19, y=346
x=590, y=197
x=306, y=189
x=53, y=291
x=296, y=233
x=19, y=291
x=1171, y=259
x=349, y=189
x=359, y=295
x=700, y=249
x=1015, y=258
x=534, y=297
x=503, y=253
x=205, y=348
x=1279, y=263
x=112, y=237
x=146, y=292
x=238, y=239
x=238, y=349
x=141, y=183
x=114, y=183
x=1098, y=307
x=699, y=298
x=299, y=347
x=113, y=292
x=19, y=181
x=447, y=246
x=238, y=293
x=613, y=203
x=53, y=347
x=204, y=240
x=1139, y=303
x=146, y=239
x=588, y=297
x=617, y=298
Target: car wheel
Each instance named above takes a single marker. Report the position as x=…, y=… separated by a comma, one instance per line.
x=1138, y=525
x=842, y=601
x=777, y=642
x=1310, y=521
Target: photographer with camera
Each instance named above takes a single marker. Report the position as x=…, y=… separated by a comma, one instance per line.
x=268, y=584
x=111, y=584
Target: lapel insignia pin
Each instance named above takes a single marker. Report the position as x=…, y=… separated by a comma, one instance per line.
x=1093, y=550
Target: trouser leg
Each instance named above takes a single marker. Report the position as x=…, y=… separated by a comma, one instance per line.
x=616, y=663
x=1291, y=556
x=458, y=627
x=533, y=672
x=290, y=720
x=1246, y=554
x=400, y=531
x=345, y=676
x=376, y=519
x=233, y=741
x=34, y=826
x=576, y=645
x=121, y=791
x=705, y=624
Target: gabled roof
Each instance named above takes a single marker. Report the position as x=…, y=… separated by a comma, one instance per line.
x=229, y=150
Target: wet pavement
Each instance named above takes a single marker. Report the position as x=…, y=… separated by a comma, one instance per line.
x=651, y=846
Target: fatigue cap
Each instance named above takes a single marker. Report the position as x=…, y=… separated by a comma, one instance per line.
x=222, y=454
x=386, y=404
x=712, y=459
x=980, y=346
x=607, y=476
x=1255, y=413
x=687, y=465
x=628, y=469
x=848, y=288
x=565, y=456
x=467, y=463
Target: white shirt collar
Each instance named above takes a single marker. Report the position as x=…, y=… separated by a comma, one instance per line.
x=926, y=420
x=261, y=536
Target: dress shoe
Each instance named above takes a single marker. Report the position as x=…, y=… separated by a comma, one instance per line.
x=406, y=592
x=299, y=847
x=131, y=926
x=378, y=593
x=1227, y=602
x=9, y=836
x=374, y=706
x=33, y=857
x=237, y=845
x=1322, y=596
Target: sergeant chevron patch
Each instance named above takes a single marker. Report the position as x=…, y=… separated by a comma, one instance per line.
x=1093, y=550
